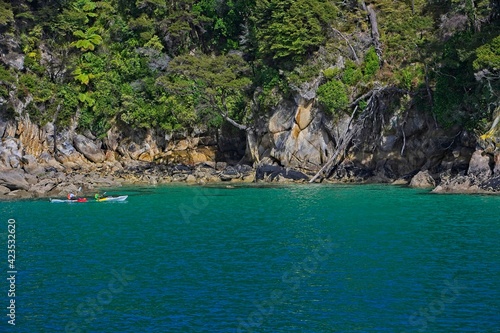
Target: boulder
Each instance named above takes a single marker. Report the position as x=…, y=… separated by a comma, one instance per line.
x=10, y=152
x=43, y=186
x=496, y=159
x=459, y=184
x=14, y=161
x=89, y=149
x=31, y=166
x=4, y=190
x=191, y=179
x=14, y=180
x=422, y=180
x=20, y=194
x=273, y=172
x=66, y=153
x=229, y=173
x=479, y=164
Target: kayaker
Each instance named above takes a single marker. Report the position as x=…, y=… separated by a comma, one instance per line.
x=97, y=196
x=71, y=196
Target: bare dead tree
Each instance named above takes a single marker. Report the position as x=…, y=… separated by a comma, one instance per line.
x=348, y=44
x=355, y=127
x=372, y=17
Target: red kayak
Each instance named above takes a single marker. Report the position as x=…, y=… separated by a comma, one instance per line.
x=67, y=200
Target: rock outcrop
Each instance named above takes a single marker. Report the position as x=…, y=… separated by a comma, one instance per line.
x=423, y=180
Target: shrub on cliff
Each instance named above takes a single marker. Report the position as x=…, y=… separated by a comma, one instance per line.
x=333, y=96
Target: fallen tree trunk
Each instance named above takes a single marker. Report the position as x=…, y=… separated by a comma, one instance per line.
x=353, y=131
x=372, y=17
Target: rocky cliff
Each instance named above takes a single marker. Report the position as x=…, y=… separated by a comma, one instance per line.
x=388, y=144
x=386, y=141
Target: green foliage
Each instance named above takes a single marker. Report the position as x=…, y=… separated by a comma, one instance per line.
x=6, y=82
x=106, y=61
x=352, y=73
x=406, y=29
x=333, y=96
x=155, y=43
x=216, y=83
x=411, y=77
x=331, y=73
x=488, y=56
x=82, y=76
x=273, y=86
x=6, y=75
x=304, y=73
x=88, y=39
x=291, y=29
x=6, y=14
x=371, y=63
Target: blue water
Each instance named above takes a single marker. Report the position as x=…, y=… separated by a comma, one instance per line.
x=298, y=258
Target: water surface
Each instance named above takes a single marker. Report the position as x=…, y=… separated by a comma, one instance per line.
x=299, y=258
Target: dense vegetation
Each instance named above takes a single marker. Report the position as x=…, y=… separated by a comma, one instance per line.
x=180, y=64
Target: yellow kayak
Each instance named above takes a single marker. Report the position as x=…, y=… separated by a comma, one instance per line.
x=120, y=198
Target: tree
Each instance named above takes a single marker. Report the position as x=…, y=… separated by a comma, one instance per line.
x=218, y=85
x=6, y=14
x=291, y=29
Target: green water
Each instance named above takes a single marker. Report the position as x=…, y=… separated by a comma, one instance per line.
x=300, y=258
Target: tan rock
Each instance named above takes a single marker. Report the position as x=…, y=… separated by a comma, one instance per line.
x=182, y=145
x=111, y=156
x=20, y=194
x=422, y=180
x=496, y=160
x=191, y=179
x=4, y=190
x=89, y=149
x=14, y=179
x=145, y=157
x=479, y=164
x=197, y=157
x=304, y=115
x=282, y=119
x=295, y=131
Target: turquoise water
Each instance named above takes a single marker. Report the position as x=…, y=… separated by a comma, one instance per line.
x=308, y=258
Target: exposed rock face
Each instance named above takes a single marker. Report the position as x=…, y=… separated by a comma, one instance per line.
x=14, y=180
x=480, y=164
x=496, y=160
x=482, y=176
x=12, y=55
x=298, y=138
x=89, y=149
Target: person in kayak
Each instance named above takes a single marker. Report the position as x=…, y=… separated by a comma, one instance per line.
x=71, y=196
x=98, y=196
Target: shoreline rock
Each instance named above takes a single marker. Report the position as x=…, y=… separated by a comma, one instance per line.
x=53, y=182
x=35, y=163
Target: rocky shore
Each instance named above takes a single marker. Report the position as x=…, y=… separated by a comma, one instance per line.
x=291, y=145
x=32, y=178
x=51, y=179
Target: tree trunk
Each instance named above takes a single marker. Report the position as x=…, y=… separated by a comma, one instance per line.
x=372, y=17
x=252, y=146
x=252, y=149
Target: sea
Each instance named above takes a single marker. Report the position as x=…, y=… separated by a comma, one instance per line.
x=253, y=258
